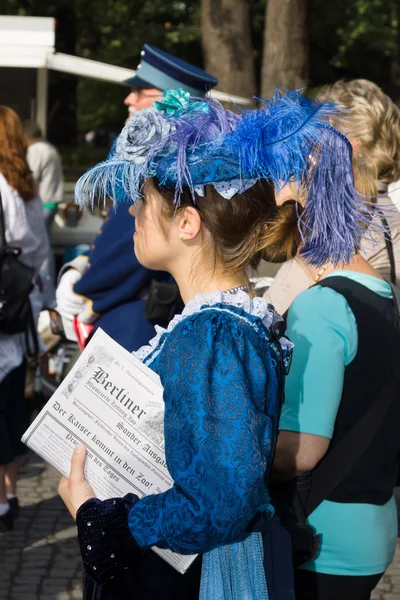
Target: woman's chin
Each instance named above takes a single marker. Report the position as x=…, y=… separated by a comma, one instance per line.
x=147, y=263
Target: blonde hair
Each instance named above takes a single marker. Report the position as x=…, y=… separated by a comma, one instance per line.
x=373, y=121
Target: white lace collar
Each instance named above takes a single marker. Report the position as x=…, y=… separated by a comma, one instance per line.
x=257, y=307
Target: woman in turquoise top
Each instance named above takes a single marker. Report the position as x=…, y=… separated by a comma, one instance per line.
x=346, y=339
x=346, y=342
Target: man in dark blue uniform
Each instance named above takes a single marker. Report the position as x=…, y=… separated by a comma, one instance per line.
x=107, y=287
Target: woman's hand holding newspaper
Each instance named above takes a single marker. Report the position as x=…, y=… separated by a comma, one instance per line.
x=75, y=490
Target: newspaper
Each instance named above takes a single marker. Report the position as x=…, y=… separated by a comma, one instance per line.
x=112, y=403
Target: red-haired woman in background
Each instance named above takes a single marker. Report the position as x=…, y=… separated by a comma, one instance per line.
x=24, y=229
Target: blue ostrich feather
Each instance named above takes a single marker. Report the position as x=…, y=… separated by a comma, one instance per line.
x=290, y=138
x=109, y=179
x=337, y=215
x=275, y=141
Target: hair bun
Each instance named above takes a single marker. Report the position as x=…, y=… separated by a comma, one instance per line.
x=281, y=237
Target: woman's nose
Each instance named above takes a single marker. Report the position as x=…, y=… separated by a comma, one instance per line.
x=132, y=210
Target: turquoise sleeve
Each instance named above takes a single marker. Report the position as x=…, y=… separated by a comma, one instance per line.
x=324, y=332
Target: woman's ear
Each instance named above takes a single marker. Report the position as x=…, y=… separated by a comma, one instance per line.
x=355, y=145
x=189, y=223
x=288, y=192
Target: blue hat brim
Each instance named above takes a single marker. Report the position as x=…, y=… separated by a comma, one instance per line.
x=169, y=84
x=137, y=82
x=162, y=71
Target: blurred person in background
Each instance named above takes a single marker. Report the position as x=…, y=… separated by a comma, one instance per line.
x=108, y=287
x=24, y=229
x=372, y=124
x=45, y=163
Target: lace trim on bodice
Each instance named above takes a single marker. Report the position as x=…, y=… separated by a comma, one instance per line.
x=257, y=307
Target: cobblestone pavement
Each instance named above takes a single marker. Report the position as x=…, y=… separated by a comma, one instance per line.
x=389, y=586
x=40, y=558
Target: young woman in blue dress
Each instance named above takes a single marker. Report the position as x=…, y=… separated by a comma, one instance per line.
x=202, y=181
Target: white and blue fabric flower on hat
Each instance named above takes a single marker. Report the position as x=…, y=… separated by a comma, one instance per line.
x=149, y=127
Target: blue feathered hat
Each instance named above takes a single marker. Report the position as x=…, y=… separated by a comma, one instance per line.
x=191, y=142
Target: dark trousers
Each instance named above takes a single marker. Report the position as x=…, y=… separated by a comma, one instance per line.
x=154, y=579
x=13, y=414
x=397, y=496
x=319, y=586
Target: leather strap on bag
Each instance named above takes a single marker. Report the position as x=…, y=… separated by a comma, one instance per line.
x=389, y=248
x=31, y=329
x=2, y=229
x=382, y=188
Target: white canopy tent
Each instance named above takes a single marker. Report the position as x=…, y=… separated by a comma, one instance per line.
x=28, y=42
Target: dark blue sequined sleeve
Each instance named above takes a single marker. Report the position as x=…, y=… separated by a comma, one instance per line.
x=105, y=541
x=221, y=401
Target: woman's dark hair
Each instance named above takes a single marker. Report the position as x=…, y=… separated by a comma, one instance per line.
x=247, y=228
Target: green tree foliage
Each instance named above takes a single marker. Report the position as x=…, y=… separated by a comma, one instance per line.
x=115, y=34
x=353, y=39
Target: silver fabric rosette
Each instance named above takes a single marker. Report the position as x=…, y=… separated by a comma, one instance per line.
x=140, y=134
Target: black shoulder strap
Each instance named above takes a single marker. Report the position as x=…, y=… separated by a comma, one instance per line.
x=339, y=462
x=396, y=300
x=389, y=248
x=3, y=243
x=31, y=335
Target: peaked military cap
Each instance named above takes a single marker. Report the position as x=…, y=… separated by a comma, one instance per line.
x=158, y=69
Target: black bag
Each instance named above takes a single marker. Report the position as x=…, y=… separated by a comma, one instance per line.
x=289, y=499
x=163, y=302
x=15, y=287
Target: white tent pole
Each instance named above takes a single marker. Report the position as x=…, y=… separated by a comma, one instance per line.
x=75, y=65
x=41, y=96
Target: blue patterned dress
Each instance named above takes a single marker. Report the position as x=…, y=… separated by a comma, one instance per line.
x=221, y=364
